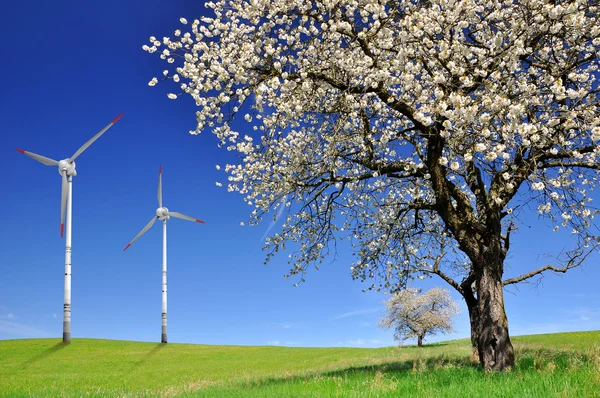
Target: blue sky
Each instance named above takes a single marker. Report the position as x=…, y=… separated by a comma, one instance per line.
x=69, y=68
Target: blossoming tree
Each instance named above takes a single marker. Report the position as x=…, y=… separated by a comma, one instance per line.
x=415, y=315
x=415, y=129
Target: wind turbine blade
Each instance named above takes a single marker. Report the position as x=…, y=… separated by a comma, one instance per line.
x=94, y=138
x=63, y=202
x=39, y=158
x=160, y=186
x=184, y=217
x=142, y=232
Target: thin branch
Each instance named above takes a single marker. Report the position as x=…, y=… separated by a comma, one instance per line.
x=573, y=262
x=436, y=270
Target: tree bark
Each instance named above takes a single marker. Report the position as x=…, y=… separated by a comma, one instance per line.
x=420, y=340
x=495, y=349
x=474, y=321
x=473, y=307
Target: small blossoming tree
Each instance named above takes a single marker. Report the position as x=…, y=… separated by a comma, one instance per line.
x=415, y=315
x=416, y=129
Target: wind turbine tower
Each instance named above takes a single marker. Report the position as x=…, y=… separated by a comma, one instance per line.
x=163, y=214
x=66, y=168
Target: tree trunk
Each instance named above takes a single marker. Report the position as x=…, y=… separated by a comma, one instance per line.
x=420, y=340
x=474, y=320
x=495, y=349
x=473, y=307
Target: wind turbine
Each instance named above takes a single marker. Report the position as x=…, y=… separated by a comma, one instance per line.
x=163, y=214
x=66, y=168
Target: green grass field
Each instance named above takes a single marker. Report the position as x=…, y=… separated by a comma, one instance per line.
x=554, y=365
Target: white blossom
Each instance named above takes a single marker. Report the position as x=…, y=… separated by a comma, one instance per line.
x=538, y=186
x=480, y=147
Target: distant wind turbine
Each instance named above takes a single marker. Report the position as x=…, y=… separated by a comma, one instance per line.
x=162, y=213
x=66, y=168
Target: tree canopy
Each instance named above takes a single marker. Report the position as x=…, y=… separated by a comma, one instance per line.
x=413, y=314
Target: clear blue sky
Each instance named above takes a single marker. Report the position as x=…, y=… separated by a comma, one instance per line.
x=67, y=69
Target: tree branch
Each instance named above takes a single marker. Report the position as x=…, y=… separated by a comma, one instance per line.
x=477, y=186
x=436, y=270
x=507, y=238
x=574, y=261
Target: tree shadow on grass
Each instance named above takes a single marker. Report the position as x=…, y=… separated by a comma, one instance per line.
x=541, y=358
x=44, y=354
x=427, y=345
x=416, y=365
x=147, y=356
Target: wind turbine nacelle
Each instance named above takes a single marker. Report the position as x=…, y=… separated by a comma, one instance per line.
x=162, y=213
x=67, y=165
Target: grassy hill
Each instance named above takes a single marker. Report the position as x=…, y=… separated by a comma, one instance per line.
x=554, y=365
